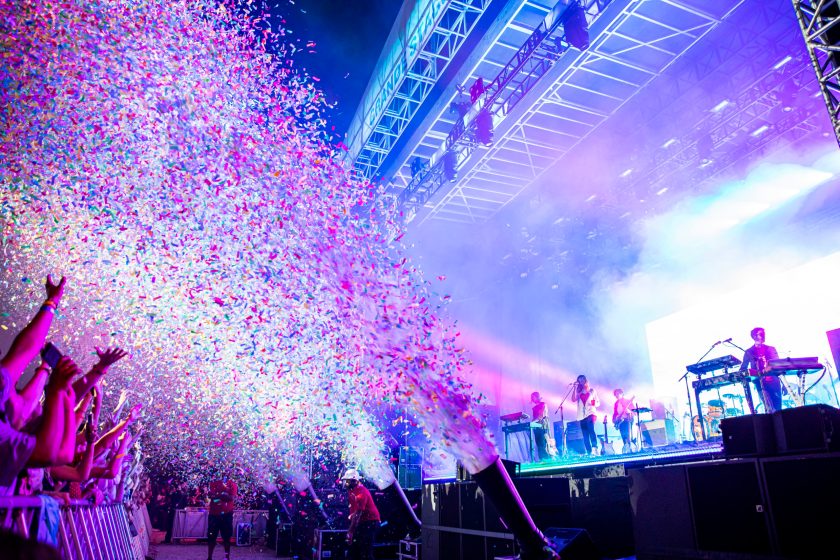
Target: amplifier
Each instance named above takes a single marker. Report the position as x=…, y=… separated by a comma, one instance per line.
x=656, y=433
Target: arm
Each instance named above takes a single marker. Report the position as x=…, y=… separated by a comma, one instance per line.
x=81, y=472
x=100, y=368
x=50, y=434
x=115, y=432
x=67, y=448
x=30, y=340
x=25, y=401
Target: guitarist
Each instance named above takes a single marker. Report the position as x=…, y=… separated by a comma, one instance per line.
x=540, y=414
x=623, y=418
x=755, y=360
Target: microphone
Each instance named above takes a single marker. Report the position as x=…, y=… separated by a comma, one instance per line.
x=727, y=340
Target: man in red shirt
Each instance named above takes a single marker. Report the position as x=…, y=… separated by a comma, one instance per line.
x=364, y=518
x=223, y=494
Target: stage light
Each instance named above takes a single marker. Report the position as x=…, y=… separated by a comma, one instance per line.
x=450, y=166
x=720, y=106
x=484, y=127
x=576, y=28
x=417, y=165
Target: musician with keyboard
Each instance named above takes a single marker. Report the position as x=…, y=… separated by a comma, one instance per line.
x=755, y=362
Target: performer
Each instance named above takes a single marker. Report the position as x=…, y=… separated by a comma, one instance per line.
x=587, y=402
x=756, y=358
x=223, y=493
x=540, y=414
x=364, y=518
x=623, y=418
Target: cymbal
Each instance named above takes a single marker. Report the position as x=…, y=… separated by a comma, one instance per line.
x=641, y=409
x=732, y=412
x=731, y=396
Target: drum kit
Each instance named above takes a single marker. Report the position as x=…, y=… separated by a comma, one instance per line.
x=716, y=410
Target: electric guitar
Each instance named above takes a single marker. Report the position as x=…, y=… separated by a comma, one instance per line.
x=606, y=446
x=621, y=415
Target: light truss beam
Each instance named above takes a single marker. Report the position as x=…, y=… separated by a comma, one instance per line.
x=510, y=85
x=454, y=25
x=819, y=21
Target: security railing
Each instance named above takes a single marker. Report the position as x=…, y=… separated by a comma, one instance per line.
x=79, y=530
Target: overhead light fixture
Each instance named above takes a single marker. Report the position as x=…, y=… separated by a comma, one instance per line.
x=626, y=172
x=661, y=191
x=575, y=27
x=720, y=106
x=484, y=127
x=669, y=143
x=591, y=198
x=450, y=166
x=782, y=62
x=759, y=131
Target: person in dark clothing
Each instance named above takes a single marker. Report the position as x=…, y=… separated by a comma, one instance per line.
x=177, y=500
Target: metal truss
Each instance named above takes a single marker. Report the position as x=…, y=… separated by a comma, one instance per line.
x=500, y=96
x=761, y=114
x=819, y=21
x=636, y=42
x=456, y=22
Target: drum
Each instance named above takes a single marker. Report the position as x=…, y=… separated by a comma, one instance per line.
x=715, y=409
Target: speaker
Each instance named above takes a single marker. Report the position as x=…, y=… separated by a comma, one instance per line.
x=574, y=438
x=410, y=476
x=549, y=500
x=803, y=494
x=572, y=544
x=284, y=539
x=812, y=428
x=656, y=433
x=727, y=506
x=661, y=510
x=748, y=436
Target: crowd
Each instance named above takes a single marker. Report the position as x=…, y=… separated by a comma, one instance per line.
x=56, y=437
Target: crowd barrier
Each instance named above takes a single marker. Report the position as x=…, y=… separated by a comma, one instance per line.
x=79, y=530
x=191, y=523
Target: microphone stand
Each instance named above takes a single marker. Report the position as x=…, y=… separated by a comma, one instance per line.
x=688, y=390
x=562, y=421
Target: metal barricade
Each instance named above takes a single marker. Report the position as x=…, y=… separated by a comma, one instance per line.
x=85, y=531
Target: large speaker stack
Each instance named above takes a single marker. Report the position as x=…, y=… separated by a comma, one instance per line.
x=776, y=496
x=459, y=523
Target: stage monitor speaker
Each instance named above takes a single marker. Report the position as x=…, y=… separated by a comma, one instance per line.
x=572, y=544
x=807, y=429
x=748, y=436
x=574, y=438
x=803, y=494
x=656, y=433
x=728, y=508
x=834, y=344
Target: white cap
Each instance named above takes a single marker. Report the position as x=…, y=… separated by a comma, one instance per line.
x=350, y=474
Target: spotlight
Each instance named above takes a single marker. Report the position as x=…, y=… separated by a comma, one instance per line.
x=417, y=166
x=450, y=166
x=476, y=90
x=484, y=127
x=576, y=27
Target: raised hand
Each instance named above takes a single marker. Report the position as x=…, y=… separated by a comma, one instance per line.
x=135, y=412
x=55, y=291
x=109, y=356
x=64, y=372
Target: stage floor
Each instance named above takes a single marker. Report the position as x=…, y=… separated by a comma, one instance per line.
x=677, y=452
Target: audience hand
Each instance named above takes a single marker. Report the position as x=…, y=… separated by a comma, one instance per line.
x=109, y=356
x=63, y=374
x=55, y=291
